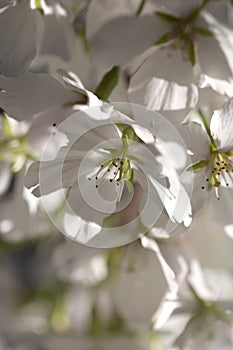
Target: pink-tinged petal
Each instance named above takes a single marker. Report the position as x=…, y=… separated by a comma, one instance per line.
x=122, y=39
x=26, y=95
x=18, y=38
x=221, y=126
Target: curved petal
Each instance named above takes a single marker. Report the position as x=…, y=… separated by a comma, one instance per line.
x=159, y=94
x=50, y=176
x=221, y=126
x=164, y=81
x=28, y=94
x=222, y=34
x=196, y=140
x=82, y=220
x=120, y=40
x=18, y=38
x=178, y=7
x=57, y=27
x=138, y=293
x=222, y=208
x=102, y=11
x=219, y=48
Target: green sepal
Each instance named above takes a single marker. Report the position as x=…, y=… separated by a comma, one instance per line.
x=192, y=56
x=108, y=83
x=204, y=31
x=164, y=39
x=194, y=14
x=166, y=17
x=140, y=7
x=199, y=165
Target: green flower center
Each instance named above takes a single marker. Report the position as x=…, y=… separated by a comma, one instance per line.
x=118, y=169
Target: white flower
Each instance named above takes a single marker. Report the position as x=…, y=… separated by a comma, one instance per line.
x=209, y=311
x=213, y=162
x=169, y=54
x=31, y=94
x=101, y=166
x=19, y=29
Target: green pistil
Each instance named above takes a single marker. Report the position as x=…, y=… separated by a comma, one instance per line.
x=119, y=167
x=114, y=170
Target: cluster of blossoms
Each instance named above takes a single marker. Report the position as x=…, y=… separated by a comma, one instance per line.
x=116, y=174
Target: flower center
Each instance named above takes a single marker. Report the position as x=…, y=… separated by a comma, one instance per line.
x=220, y=167
x=114, y=170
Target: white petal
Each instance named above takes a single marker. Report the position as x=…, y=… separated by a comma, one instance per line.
x=29, y=94
x=57, y=27
x=222, y=87
x=205, y=230
x=218, y=67
x=18, y=38
x=138, y=293
x=165, y=63
x=168, y=272
x=221, y=126
x=100, y=12
x=175, y=200
x=179, y=8
x=224, y=37
x=53, y=175
x=158, y=94
x=196, y=140
x=200, y=197
x=82, y=221
x=222, y=208
x=85, y=132
x=120, y=40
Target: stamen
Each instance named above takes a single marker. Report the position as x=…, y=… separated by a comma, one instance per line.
x=119, y=168
x=221, y=167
